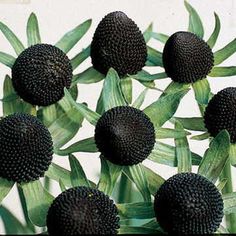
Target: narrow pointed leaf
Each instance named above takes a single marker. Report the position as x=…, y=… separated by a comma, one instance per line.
x=223, y=71
x=195, y=24
x=147, y=34
x=160, y=37
x=38, y=201
x=148, y=84
x=89, y=76
x=12, y=38
x=175, y=87
x=224, y=53
x=80, y=57
x=7, y=59
x=164, y=108
x=215, y=157
x=213, y=38
x=77, y=175
x=232, y=154
x=68, y=41
x=62, y=185
x=192, y=123
x=137, y=210
x=200, y=137
x=163, y=133
x=126, y=89
x=48, y=114
x=165, y=154
x=202, y=91
x=146, y=77
x=5, y=187
x=137, y=230
x=221, y=184
x=229, y=203
x=183, y=154
x=140, y=99
x=153, y=224
x=33, y=34
x=154, y=57
x=100, y=106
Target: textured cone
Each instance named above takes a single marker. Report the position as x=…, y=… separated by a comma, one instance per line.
x=82, y=210
x=26, y=148
x=188, y=203
x=221, y=113
x=187, y=58
x=40, y=74
x=118, y=43
x=125, y=135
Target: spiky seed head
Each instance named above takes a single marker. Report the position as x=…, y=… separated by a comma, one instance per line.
x=26, y=148
x=187, y=58
x=125, y=135
x=188, y=203
x=221, y=113
x=82, y=210
x=40, y=74
x=118, y=43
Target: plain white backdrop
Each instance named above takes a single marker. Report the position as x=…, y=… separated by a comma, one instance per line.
x=57, y=17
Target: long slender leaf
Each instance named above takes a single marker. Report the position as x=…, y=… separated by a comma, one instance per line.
x=68, y=41
x=232, y=154
x=100, y=106
x=147, y=34
x=229, y=203
x=137, y=230
x=12, y=38
x=126, y=88
x=215, y=157
x=146, y=77
x=5, y=187
x=213, y=38
x=200, y=137
x=140, y=99
x=80, y=57
x=223, y=71
x=195, y=23
x=224, y=53
x=7, y=59
x=202, y=91
x=191, y=123
x=175, y=87
x=160, y=37
x=221, y=184
x=163, y=133
x=154, y=57
x=62, y=185
x=33, y=34
x=48, y=114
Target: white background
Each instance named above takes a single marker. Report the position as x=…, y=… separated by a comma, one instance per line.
x=57, y=17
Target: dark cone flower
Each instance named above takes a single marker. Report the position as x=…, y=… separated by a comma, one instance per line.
x=188, y=203
x=40, y=74
x=82, y=210
x=187, y=58
x=118, y=43
x=26, y=148
x=125, y=135
x=221, y=113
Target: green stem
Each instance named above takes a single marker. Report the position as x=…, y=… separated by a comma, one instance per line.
x=226, y=174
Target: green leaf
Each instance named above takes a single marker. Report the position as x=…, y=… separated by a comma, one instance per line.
x=213, y=38
x=80, y=57
x=222, y=230
x=160, y=37
x=183, y=154
x=77, y=175
x=11, y=224
x=153, y=224
x=221, y=184
x=147, y=34
x=100, y=106
x=137, y=210
x=146, y=77
x=85, y=145
x=91, y=116
x=191, y=123
x=7, y=59
x=68, y=41
x=148, y=84
x=195, y=23
x=62, y=185
x=154, y=58
x=223, y=71
x=88, y=76
x=163, y=133
x=164, y=108
x=47, y=114
x=200, y=137
x=108, y=177
x=5, y=187
x=12, y=38
x=165, y=154
x=224, y=53
x=232, y=154
x=38, y=201
x=154, y=180
x=137, y=230
x=215, y=157
x=126, y=88
x=140, y=99
x=202, y=91
x=33, y=34
x=175, y=87
x=136, y=174
x=229, y=203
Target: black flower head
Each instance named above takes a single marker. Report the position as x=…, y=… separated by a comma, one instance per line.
x=187, y=58
x=40, y=74
x=188, y=203
x=221, y=113
x=26, y=148
x=125, y=135
x=118, y=43
x=82, y=210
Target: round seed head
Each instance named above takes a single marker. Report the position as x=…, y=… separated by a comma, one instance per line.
x=118, y=43
x=26, y=148
x=187, y=58
x=188, y=203
x=125, y=135
x=40, y=74
x=82, y=210
x=221, y=113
